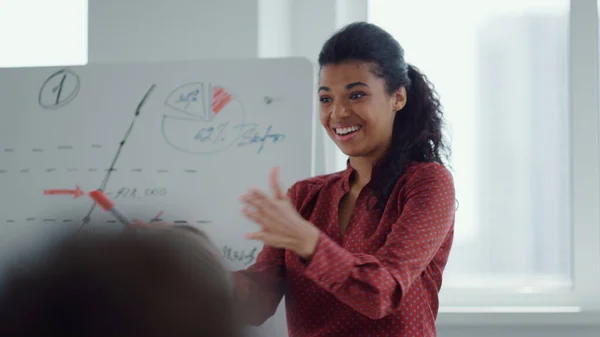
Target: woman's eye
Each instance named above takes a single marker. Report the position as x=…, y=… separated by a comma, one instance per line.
x=324, y=99
x=356, y=95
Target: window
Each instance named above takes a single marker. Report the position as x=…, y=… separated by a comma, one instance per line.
x=43, y=33
x=519, y=83
x=502, y=74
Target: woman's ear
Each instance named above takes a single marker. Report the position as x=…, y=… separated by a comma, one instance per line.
x=399, y=98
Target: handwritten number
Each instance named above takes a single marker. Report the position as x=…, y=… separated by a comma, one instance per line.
x=246, y=257
x=155, y=192
x=58, y=89
x=125, y=192
x=209, y=134
x=189, y=98
x=121, y=192
x=220, y=135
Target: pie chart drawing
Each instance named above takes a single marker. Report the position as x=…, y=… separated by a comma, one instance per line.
x=206, y=118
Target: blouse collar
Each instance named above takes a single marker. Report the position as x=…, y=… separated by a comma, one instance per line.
x=347, y=173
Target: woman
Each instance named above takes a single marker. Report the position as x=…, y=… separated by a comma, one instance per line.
x=362, y=251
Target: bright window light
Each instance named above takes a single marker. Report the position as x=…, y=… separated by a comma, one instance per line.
x=43, y=33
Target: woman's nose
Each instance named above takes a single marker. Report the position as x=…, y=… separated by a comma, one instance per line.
x=339, y=111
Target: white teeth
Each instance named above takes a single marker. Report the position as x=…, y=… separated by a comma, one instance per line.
x=343, y=131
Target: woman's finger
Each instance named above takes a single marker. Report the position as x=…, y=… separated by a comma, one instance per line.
x=269, y=239
x=253, y=194
x=267, y=222
x=256, y=216
x=275, y=185
x=260, y=202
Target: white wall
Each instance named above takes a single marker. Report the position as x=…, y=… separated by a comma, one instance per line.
x=170, y=30
x=161, y=30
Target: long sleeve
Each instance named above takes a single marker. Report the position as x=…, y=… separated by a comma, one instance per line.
x=374, y=284
x=260, y=288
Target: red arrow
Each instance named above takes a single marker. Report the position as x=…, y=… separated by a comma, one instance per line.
x=76, y=193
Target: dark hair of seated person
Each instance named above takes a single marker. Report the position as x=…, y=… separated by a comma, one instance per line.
x=156, y=284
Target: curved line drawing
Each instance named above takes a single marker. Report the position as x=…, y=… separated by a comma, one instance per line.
x=191, y=118
x=69, y=98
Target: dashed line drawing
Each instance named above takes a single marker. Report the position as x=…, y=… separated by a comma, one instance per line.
x=92, y=169
x=62, y=147
x=54, y=220
x=269, y=99
x=136, y=170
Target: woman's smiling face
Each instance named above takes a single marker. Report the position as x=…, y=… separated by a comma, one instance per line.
x=356, y=109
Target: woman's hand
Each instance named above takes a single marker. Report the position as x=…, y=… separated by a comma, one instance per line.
x=281, y=225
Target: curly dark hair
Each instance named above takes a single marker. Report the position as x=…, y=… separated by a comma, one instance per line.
x=417, y=131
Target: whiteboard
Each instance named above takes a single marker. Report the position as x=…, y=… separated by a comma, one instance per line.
x=179, y=142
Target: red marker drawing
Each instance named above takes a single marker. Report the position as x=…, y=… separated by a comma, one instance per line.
x=220, y=98
x=102, y=200
x=156, y=217
x=76, y=193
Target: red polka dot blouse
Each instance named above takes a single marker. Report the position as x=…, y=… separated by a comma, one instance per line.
x=381, y=279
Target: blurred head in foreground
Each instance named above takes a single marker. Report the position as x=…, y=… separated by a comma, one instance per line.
x=165, y=283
